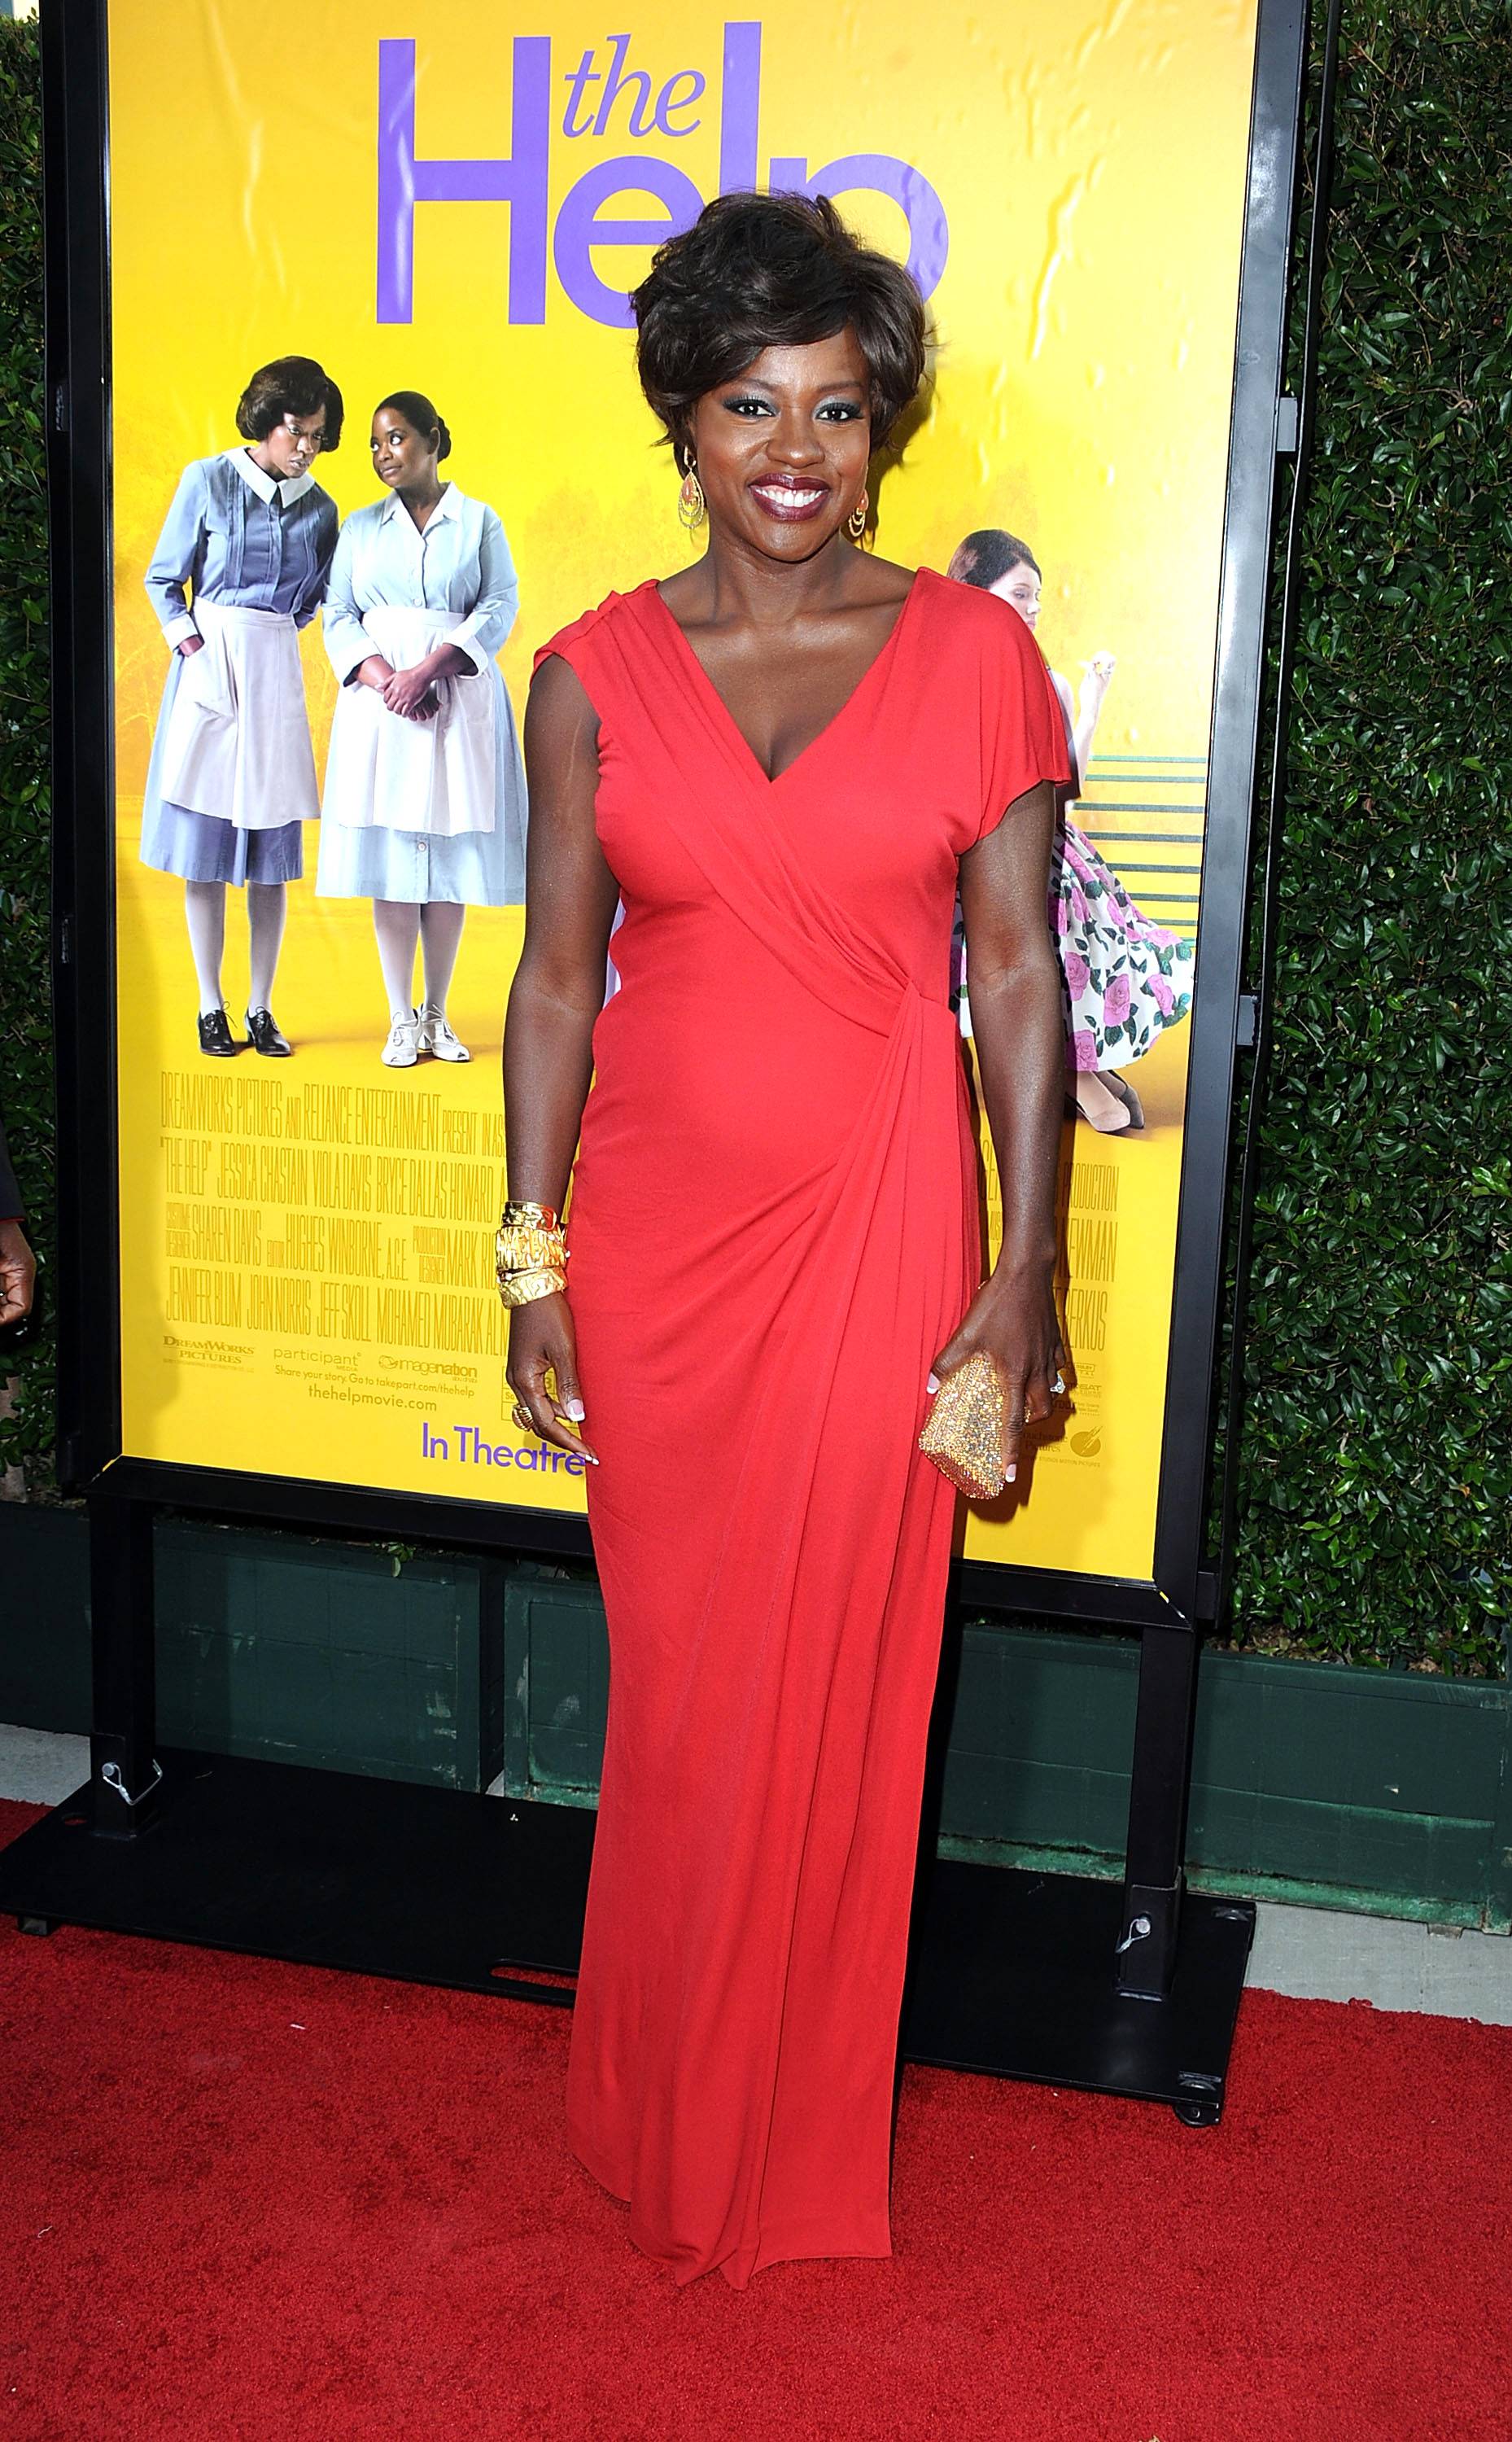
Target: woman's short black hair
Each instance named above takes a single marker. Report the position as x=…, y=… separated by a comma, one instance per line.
x=419, y=414
x=289, y=385
x=986, y=556
x=766, y=271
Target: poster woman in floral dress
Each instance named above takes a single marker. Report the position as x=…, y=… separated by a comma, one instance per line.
x=1125, y=979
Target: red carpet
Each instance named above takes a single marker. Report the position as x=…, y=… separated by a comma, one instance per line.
x=245, y=2203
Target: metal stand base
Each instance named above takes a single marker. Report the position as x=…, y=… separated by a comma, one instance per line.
x=332, y=1868
x=1012, y=1974
x=1016, y=1975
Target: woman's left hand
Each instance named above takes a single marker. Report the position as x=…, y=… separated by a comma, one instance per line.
x=410, y=693
x=1012, y=1318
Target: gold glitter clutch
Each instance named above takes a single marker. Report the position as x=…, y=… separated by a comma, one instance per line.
x=964, y=1433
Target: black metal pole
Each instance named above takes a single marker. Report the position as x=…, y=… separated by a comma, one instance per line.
x=77, y=354
x=1269, y=900
x=1146, y=1956
x=123, y=1769
x=1154, y=1878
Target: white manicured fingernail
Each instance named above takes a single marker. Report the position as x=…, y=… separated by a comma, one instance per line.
x=575, y=1410
x=933, y=1383
x=1011, y=1475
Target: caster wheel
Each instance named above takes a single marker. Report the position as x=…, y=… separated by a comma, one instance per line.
x=1196, y=2115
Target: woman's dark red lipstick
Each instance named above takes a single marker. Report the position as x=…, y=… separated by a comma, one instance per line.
x=792, y=504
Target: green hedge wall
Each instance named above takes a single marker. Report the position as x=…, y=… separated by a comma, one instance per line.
x=1376, y=1487
x=1376, y=1465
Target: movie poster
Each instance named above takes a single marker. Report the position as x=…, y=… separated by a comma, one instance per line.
x=456, y=203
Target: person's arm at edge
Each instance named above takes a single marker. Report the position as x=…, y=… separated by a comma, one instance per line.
x=557, y=992
x=18, y=1265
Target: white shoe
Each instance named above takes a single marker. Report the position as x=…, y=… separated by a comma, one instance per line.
x=436, y=1036
x=402, y=1048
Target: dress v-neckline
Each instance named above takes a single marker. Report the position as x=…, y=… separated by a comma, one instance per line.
x=775, y=780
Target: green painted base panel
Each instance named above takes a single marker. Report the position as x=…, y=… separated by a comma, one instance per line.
x=1386, y=1792
x=1381, y=1790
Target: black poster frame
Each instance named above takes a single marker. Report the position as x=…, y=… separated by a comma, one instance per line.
x=1068, y=1980
x=94, y=1235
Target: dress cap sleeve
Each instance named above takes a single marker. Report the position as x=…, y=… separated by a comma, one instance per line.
x=1023, y=728
x=572, y=643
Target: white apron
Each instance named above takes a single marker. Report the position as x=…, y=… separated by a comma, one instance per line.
x=435, y=776
x=238, y=738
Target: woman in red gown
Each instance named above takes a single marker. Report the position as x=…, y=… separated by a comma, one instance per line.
x=781, y=760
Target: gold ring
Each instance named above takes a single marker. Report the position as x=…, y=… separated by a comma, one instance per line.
x=523, y=1417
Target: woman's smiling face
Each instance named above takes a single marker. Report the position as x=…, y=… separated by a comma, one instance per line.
x=402, y=456
x=782, y=450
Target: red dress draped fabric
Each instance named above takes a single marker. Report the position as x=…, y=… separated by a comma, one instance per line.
x=773, y=1229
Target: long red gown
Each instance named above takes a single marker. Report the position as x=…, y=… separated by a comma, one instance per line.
x=773, y=1229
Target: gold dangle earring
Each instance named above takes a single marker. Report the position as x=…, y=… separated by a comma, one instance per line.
x=690, y=499
x=856, y=522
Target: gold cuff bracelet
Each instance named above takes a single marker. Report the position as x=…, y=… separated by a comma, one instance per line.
x=523, y=1288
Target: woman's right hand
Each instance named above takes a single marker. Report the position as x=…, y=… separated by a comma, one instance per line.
x=1099, y=671
x=543, y=1343
x=374, y=672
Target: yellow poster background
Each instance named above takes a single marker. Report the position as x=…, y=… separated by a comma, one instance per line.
x=305, y=1255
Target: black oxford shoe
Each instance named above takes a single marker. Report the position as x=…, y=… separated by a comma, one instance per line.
x=215, y=1035
x=262, y=1034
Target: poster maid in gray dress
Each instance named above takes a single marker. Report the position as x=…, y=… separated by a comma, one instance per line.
x=240, y=567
